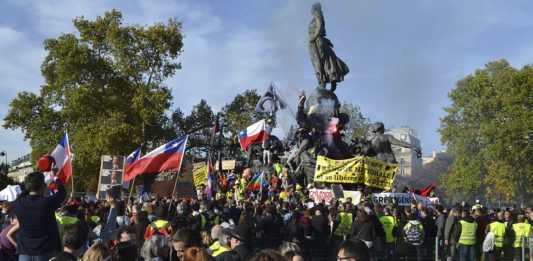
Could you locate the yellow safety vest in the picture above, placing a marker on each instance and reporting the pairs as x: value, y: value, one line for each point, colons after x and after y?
x: 346, y: 224
x: 498, y: 229
x: 388, y: 223
x: 468, y: 233
x: 521, y: 230
x: 217, y: 249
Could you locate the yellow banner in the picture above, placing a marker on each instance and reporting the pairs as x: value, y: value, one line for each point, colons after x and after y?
x: 360, y: 170
x: 200, y: 176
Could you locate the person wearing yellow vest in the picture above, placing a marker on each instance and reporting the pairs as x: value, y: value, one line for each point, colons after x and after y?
x: 522, y: 230
x: 497, y: 227
x: 220, y: 245
x: 161, y: 225
x: 390, y: 225
x: 342, y: 225
x: 65, y: 219
x: 467, y: 240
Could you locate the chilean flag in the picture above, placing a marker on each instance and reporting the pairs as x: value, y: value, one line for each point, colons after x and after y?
x: 253, y: 134
x: 167, y: 157
x: 63, y: 159
x: 134, y: 156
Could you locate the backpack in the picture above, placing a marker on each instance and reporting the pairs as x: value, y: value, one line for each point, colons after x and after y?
x: 413, y: 234
x: 164, y: 230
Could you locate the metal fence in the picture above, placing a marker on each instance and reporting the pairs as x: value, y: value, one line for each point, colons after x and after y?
x: 430, y: 249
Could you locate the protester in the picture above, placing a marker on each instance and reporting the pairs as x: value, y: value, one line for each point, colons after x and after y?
x: 353, y: 250
x: 38, y: 237
x: 97, y: 252
x: 240, y: 243
x: 467, y: 239
x: 75, y: 238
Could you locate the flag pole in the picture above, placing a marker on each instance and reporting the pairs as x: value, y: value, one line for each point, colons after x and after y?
x: 261, y: 187
x: 173, y: 191
x: 131, y: 189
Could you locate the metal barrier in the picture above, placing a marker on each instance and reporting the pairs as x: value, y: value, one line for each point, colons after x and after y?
x: 430, y: 249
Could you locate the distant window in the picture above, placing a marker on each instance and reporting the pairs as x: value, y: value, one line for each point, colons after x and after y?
x: 403, y: 137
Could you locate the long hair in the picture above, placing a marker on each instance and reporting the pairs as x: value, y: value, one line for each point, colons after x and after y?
x: 96, y: 252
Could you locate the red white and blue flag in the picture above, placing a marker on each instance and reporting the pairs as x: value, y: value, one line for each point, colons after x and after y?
x: 253, y: 134
x: 63, y: 159
x: 167, y: 157
x: 134, y: 156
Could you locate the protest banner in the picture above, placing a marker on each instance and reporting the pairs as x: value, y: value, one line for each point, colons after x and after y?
x: 400, y: 199
x: 326, y: 195
x: 357, y: 170
x: 226, y: 165
x: 200, y: 176
x: 111, y: 171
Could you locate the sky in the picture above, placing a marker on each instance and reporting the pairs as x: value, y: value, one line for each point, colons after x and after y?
x: 404, y: 56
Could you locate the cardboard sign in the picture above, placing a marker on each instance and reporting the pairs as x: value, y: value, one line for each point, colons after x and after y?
x: 198, y: 165
x: 111, y: 172
x: 226, y: 165
x: 200, y: 176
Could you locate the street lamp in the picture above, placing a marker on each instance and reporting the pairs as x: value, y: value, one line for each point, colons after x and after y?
x: 2, y: 154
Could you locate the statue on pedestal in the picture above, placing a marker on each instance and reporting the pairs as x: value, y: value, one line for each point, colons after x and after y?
x: 328, y: 67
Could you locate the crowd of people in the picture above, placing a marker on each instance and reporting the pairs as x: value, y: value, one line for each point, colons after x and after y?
x: 279, y: 227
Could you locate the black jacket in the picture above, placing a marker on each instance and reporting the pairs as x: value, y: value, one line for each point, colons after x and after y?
x: 320, y: 226
x: 363, y: 230
x: 240, y: 253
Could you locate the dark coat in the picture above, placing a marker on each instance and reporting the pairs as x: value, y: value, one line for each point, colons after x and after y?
x: 240, y: 253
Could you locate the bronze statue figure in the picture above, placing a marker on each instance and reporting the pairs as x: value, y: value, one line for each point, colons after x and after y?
x: 380, y: 144
x: 328, y: 67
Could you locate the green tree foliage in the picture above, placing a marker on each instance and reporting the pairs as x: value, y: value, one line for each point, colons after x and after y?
x: 198, y: 125
x: 105, y: 83
x: 358, y: 125
x: 240, y: 113
x: 487, y: 128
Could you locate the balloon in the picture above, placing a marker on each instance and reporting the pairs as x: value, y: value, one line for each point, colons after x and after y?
x: 45, y: 163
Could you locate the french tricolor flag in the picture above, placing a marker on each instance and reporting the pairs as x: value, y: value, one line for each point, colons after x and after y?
x: 63, y: 159
x: 253, y: 134
x: 167, y: 157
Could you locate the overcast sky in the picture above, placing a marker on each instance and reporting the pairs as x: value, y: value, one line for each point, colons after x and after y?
x: 404, y: 56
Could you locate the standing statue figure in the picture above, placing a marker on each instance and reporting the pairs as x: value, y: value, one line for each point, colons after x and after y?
x: 380, y: 144
x: 328, y: 67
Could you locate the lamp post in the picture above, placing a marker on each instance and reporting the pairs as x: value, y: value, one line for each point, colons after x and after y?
x: 2, y: 154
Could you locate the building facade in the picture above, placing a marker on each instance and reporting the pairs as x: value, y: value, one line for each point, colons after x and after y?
x: 407, y: 158
x: 20, y: 167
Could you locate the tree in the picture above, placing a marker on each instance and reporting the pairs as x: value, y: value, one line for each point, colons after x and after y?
x: 487, y: 129
x: 198, y: 125
x: 106, y: 85
x: 358, y: 125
